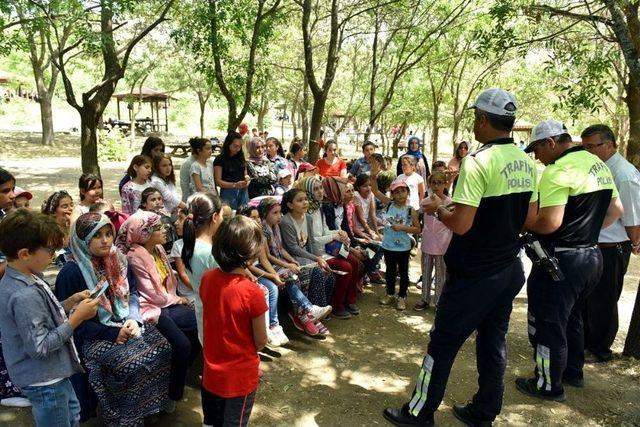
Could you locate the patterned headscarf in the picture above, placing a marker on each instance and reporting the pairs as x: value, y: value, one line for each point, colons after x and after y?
x: 252, y: 147
x: 114, y: 303
x: 333, y: 190
x: 306, y: 184
x: 137, y: 229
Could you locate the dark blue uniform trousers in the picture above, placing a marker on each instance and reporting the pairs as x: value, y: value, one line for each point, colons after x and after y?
x: 466, y: 305
x: 555, y: 317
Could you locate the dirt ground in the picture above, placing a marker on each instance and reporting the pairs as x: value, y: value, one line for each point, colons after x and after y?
x: 370, y: 361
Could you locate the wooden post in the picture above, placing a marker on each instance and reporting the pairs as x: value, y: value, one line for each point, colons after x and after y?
x: 118, y: 109
x: 166, y: 117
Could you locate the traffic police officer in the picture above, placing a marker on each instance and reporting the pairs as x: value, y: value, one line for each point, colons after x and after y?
x: 578, y: 197
x: 496, y: 191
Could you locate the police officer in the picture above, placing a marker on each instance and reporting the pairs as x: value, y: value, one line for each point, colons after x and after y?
x: 578, y: 197
x: 496, y: 191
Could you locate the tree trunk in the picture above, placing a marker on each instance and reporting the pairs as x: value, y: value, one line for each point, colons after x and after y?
x: 89, y: 140
x: 202, y: 103
x: 45, y: 97
x: 632, y: 343
x: 435, y: 131
x: 398, y: 137
x: 633, y: 104
x: 316, y: 124
x: 304, y: 112
x: 46, y: 118
x: 294, y: 123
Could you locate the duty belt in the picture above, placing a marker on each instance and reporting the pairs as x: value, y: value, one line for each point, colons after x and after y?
x: 579, y: 248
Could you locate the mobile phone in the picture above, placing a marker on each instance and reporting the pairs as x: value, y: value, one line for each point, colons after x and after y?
x: 100, y: 289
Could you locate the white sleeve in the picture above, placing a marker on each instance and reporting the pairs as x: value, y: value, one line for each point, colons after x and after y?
x: 629, y: 192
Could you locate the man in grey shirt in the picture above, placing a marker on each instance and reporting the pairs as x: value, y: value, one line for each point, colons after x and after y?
x: 616, y: 243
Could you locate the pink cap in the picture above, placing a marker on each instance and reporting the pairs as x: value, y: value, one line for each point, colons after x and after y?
x: 397, y: 184
x: 304, y: 167
x: 21, y: 192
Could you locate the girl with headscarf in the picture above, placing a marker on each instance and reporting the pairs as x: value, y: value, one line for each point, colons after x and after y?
x: 414, y: 148
x: 333, y: 242
x: 461, y: 152
x: 261, y: 170
x: 339, y: 212
x: 115, y: 347
x: 298, y: 281
x: 141, y: 238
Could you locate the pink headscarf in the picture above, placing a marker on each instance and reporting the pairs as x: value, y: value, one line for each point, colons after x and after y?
x: 252, y: 146
x: 137, y: 229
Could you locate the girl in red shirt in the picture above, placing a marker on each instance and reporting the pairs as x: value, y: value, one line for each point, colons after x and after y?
x: 234, y: 327
x: 331, y: 164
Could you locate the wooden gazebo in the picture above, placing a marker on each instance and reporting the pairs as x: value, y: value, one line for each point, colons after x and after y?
x: 154, y: 98
x: 524, y: 127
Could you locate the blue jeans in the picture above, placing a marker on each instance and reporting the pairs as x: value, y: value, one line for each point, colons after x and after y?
x: 300, y: 302
x: 54, y: 405
x: 236, y: 197
x: 273, y: 300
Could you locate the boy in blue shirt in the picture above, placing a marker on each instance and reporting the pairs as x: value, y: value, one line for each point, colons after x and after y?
x: 36, y: 333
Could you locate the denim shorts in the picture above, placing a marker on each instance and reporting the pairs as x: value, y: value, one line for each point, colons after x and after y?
x: 54, y: 405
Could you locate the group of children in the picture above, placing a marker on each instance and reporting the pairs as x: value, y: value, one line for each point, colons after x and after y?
x: 162, y: 278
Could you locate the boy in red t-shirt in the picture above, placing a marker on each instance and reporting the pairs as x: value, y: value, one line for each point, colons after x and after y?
x: 234, y: 327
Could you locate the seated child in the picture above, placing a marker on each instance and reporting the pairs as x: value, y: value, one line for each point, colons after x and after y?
x: 284, y: 182
x: 22, y: 198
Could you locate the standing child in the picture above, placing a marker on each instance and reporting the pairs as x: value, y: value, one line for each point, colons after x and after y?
x: 164, y: 179
x: 202, y: 222
x: 414, y: 181
x: 151, y: 200
x: 202, y: 169
x: 36, y: 333
x: 234, y: 312
x: 401, y: 220
x: 435, y: 241
x: 140, y: 171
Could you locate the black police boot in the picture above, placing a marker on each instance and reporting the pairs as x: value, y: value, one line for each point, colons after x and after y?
x: 573, y: 381
x: 528, y: 386
x: 402, y: 418
x: 465, y: 414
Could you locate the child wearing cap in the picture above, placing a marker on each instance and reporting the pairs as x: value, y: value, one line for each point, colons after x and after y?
x: 22, y: 198
x: 284, y: 182
x: 400, y: 221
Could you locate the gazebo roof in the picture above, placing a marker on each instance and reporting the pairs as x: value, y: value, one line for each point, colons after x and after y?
x: 147, y: 94
x: 522, y: 126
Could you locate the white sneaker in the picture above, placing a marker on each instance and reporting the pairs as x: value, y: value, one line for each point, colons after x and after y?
x: 320, y: 313
x: 16, y: 402
x: 273, y: 340
x: 282, y: 338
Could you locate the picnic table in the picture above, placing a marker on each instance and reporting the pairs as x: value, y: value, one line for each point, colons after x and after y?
x: 179, y: 150
x: 183, y: 150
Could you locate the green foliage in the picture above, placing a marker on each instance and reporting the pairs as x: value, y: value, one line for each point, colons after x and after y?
x: 112, y: 146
